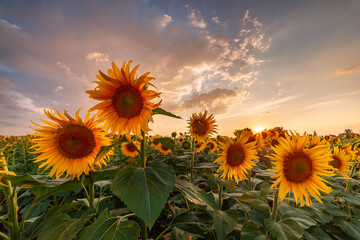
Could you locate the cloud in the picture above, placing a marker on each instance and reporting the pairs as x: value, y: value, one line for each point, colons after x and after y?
x: 5, y: 23
x: 351, y: 70
x: 166, y: 19
x: 217, y: 21
x: 252, y: 110
x: 5, y: 84
x: 58, y: 89
x: 97, y: 56
x: 195, y: 19
x: 325, y: 104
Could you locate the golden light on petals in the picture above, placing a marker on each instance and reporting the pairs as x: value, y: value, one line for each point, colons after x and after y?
x: 341, y: 162
x: 298, y: 168
x: 129, y: 148
x: 202, y: 126
x: 68, y: 145
x: 164, y: 150
x: 237, y: 157
x: 125, y: 105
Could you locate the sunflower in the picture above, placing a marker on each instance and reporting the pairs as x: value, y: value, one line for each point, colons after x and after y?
x: 316, y: 141
x: 341, y: 162
x: 237, y: 157
x: 69, y: 145
x: 186, y: 145
x: 352, y: 136
x: 212, y: 146
x: 154, y: 144
x: 199, y: 147
x: 328, y: 138
x: 181, y: 139
x: 129, y: 148
x: 336, y: 140
x: 298, y: 168
x: 164, y: 150
x: 265, y: 135
x: 256, y: 138
x: 125, y: 105
x: 202, y: 126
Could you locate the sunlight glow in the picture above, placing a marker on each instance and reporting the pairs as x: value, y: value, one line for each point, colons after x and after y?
x: 258, y: 129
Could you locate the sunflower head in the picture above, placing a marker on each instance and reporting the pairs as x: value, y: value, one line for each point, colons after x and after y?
x: 341, y: 162
x: 202, y: 126
x: 316, y: 141
x: 211, y: 145
x: 328, y: 138
x: 130, y: 148
x: 352, y: 136
x: 237, y: 157
x: 336, y: 140
x: 181, y: 139
x: 125, y: 105
x: 164, y: 150
x: 199, y: 147
x: 186, y: 145
x: 69, y: 144
x: 298, y: 168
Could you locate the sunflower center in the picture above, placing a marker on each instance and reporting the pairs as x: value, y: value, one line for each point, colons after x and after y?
x: 336, y: 163
x: 298, y: 167
x: 199, y: 127
x: 235, y: 155
x: 127, y: 101
x: 74, y: 141
x: 130, y: 147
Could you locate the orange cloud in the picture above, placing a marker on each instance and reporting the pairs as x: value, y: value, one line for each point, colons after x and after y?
x: 351, y: 70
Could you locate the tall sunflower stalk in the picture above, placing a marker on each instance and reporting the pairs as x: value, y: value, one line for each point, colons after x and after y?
x: 11, y: 200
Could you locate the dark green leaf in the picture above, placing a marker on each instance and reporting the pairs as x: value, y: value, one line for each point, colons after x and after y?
x: 145, y: 190
x: 195, y: 223
x: 253, y: 199
x: 318, y: 233
x: 166, y: 142
x: 286, y: 229
x: 250, y: 230
x: 351, y: 228
x: 224, y: 222
x: 195, y: 194
x: 110, y: 228
x: 24, y: 179
x: 164, y: 112
x: 62, y: 227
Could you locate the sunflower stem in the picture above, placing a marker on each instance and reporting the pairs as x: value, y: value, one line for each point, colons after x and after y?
x: 348, y: 185
x: 192, y: 162
x: 275, y: 205
x: 144, y: 232
x: 91, y: 194
x: 142, y: 150
x: 220, y: 199
x: 11, y: 200
x: 249, y: 181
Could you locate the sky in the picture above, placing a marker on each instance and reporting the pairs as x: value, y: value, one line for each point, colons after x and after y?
x: 294, y: 64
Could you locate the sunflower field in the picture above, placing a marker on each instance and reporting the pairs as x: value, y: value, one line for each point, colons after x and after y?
x: 106, y: 177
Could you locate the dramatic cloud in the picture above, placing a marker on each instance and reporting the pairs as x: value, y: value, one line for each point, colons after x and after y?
x: 195, y: 19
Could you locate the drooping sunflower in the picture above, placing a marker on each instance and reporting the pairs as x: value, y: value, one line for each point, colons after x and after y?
x: 237, y: 157
x: 129, y: 148
x: 341, y: 162
x: 154, y: 144
x: 202, y: 126
x: 299, y: 168
x: 69, y: 144
x: 125, y: 105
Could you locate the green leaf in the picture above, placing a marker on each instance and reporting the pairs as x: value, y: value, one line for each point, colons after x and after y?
x: 250, y: 230
x: 334, y: 210
x: 32, y: 230
x: 286, y: 229
x: 298, y: 215
x: 110, y: 228
x: 195, y: 194
x: 351, y: 198
x: 61, y: 185
x: 265, y: 188
x: 351, y: 228
x: 145, y: 190
x: 197, y: 224
x: 318, y: 233
x: 253, y: 199
x: 106, y: 149
x: 62, y: 227
x: 24, y: 179
x: 179, y: 234
x: 164, y: 112
x: 224, y: 222
x: 166, y: 142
